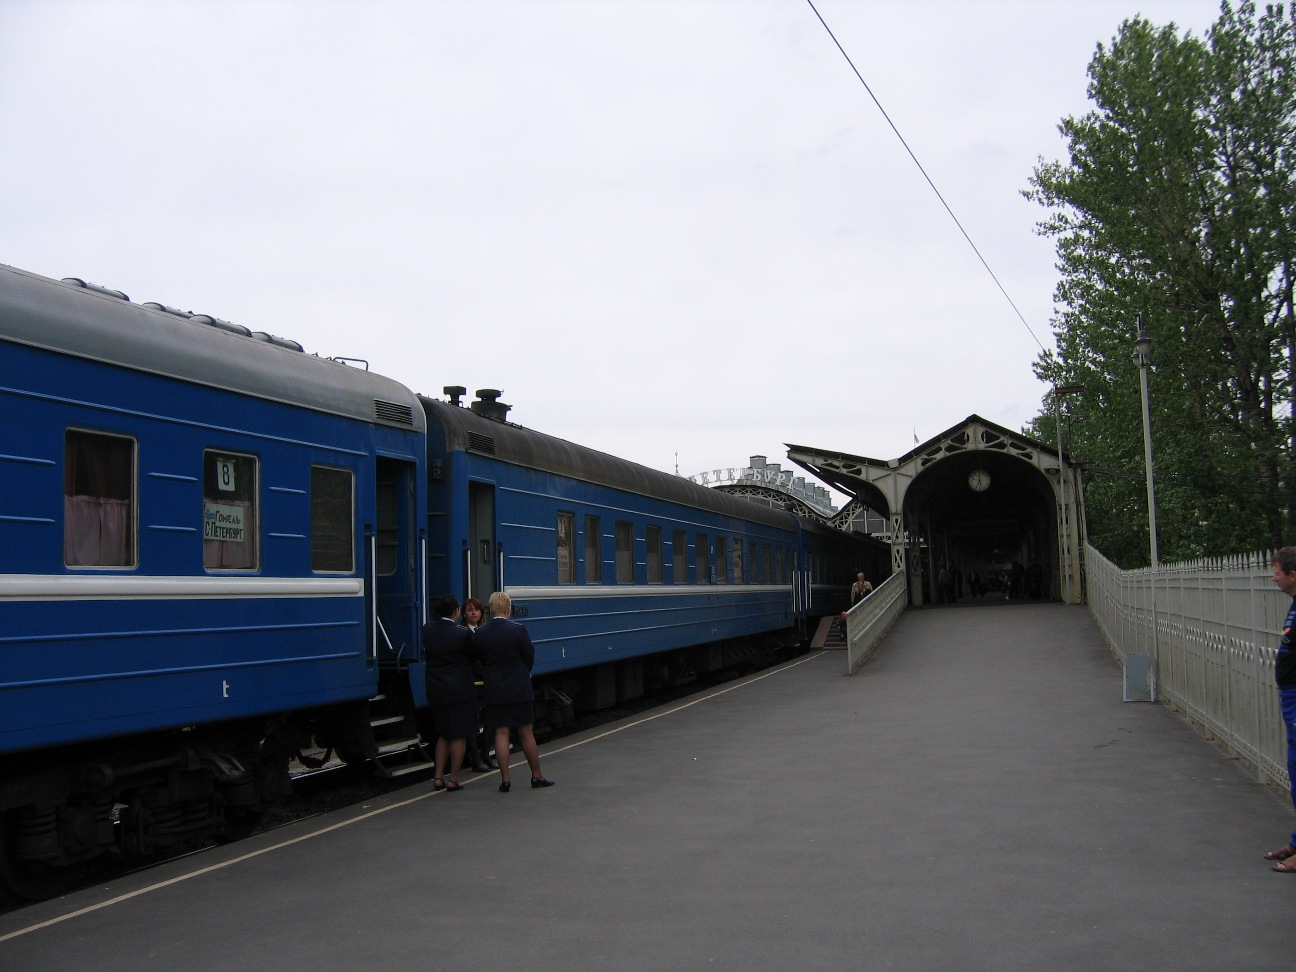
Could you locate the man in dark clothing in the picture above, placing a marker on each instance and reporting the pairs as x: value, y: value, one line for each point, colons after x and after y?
x: 1284, y: 575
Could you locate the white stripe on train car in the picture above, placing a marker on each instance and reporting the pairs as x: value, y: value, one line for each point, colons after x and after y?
x: 577, y: 591
x: 78, y: 587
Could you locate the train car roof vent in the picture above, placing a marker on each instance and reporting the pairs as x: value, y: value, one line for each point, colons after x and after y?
x: 97, y: 288
x: 454, y: 393
x: 278, y: 342
x: 223, y: 325
x: 393, y: 412
x: 481, y: 443
x: 489, y: 406
x: 154, y: 305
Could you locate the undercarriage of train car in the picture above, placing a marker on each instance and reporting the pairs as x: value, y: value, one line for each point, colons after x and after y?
x: 135, y: 798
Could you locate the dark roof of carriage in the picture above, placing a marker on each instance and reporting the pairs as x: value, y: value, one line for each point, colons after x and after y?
x: 91, y: 323
x: 467, y: 431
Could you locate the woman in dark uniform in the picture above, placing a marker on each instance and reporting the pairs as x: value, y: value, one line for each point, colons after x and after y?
x: 507, y: 655
x: 478, y: 753
x: 449, y: 653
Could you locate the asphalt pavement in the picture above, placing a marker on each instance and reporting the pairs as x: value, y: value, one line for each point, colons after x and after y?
x: 976, y: 797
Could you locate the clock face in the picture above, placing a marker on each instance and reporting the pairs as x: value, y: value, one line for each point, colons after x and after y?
x: 979, y: 480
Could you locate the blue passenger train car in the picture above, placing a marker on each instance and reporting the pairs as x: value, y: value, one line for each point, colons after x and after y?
x: 211, y: 551
x: 216, y: 549
x: 624, y: 575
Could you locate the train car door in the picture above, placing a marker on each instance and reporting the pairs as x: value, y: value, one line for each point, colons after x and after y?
x: 395, y: 559
x: 479, y: 573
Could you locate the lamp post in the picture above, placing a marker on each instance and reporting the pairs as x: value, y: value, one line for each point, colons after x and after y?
x: 1068, y: 548
x: 1142, y: 355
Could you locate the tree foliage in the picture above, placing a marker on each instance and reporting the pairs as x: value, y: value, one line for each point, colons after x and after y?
x: 1178, y: 201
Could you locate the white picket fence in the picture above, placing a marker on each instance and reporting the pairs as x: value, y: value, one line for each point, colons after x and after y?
x: 1211, y: 630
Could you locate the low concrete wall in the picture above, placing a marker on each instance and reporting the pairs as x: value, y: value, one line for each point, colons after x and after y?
x: 869, y: 620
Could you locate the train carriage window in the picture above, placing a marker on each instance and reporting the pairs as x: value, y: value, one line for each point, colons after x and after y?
x: 98, y: 500
x: 229, y: 511
x: 624, y: 552
x: 738, y: 577
x: 703, y: 560
x: 765, y: 564
x: 566, y: 538
x: 332, y: 503
x: 593, y: 551
x: 653, y: 540
x: 778, y: 566
x: 721, y: 561
x: 679, y: 557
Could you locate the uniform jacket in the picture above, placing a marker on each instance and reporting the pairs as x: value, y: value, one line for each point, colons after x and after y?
x: 506, y: 655
x: 450, y: 655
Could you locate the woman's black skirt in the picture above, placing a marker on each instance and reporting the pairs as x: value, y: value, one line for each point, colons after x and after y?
x: 455, y: 720
x: 510, y: 714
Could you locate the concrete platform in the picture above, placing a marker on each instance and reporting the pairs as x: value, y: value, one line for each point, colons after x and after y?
x: 977, y: 797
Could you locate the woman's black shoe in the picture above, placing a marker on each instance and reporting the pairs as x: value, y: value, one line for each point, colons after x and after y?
x: 536, y: 784
x: 504, y: 787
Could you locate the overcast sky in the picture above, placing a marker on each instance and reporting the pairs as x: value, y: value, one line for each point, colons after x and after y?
x: 661, y: 227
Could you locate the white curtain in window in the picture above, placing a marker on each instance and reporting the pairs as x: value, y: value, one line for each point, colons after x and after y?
x: 96, y: 532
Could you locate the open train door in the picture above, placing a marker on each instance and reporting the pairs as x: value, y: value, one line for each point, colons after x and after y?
x: 394, y: 564
x: 479, y: 568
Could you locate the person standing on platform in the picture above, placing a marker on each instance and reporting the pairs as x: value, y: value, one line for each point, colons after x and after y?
x: 451, y: 688
x: 478, y: 749
x: 474, y: 614
x: 507, y: 657
x: 860, y: 589
x: 1284, y: 575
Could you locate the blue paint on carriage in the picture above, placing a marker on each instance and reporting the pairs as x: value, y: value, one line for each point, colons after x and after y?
x: 577, y: 630
x: 161, y: 662
x: 77, y: 665
x: 525, y: 480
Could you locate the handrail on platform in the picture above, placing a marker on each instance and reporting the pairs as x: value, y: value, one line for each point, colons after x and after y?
x: 868, y: 621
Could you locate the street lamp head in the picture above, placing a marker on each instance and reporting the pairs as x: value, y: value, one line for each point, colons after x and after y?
x: 1143, y: 346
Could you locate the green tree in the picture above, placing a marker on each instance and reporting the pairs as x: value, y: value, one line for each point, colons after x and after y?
x: 1178, y: 200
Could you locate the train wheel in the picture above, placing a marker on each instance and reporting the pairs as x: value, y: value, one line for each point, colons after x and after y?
x: 239, y: 824
x: 28, y: 880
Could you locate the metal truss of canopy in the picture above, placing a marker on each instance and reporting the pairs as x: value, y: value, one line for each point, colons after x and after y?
x: 770, y: 484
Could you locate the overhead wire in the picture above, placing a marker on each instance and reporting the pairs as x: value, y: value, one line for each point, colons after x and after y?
x: 1021, y: 317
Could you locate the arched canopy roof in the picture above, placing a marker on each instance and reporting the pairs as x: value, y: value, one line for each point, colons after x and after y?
x: 973, y: 441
